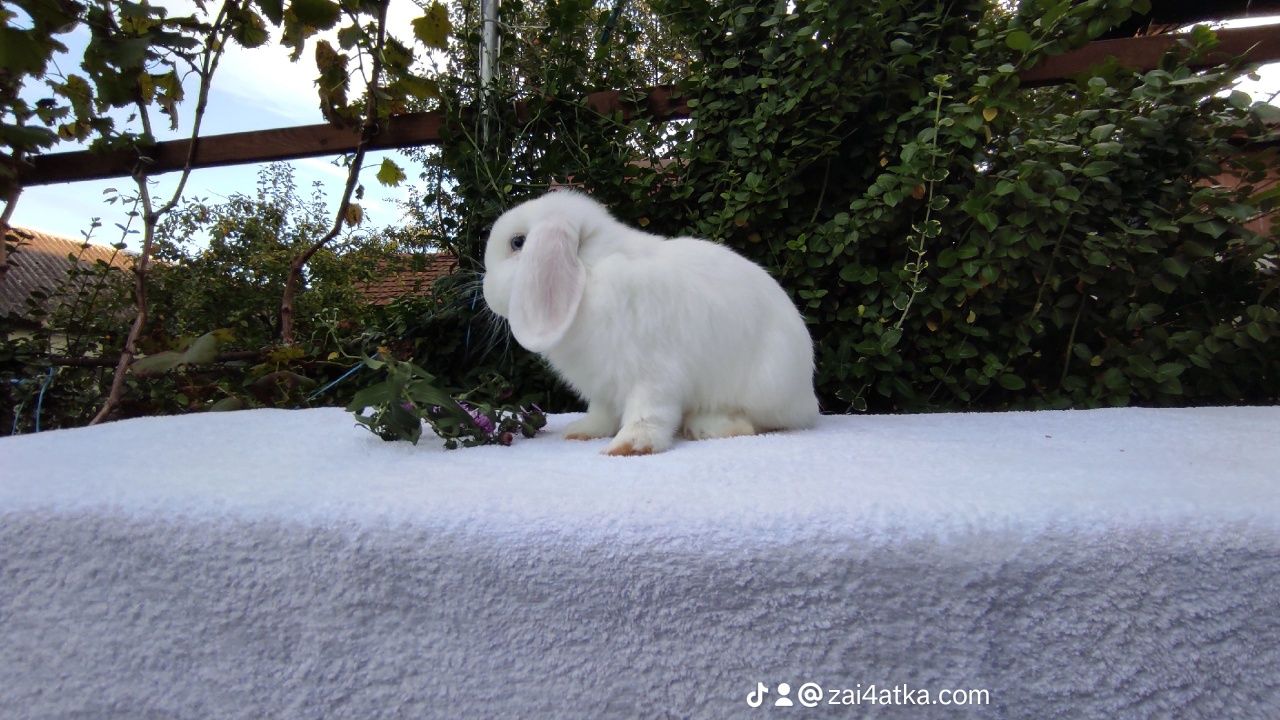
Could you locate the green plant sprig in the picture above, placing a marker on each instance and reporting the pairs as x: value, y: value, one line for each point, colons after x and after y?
x: 408, y: 396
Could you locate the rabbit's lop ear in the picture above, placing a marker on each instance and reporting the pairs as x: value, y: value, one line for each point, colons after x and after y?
x: 548, y: 286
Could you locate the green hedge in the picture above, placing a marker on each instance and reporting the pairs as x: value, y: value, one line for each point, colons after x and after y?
x: 954, y: 240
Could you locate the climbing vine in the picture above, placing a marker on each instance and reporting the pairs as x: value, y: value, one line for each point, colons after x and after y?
x: 955, y: 240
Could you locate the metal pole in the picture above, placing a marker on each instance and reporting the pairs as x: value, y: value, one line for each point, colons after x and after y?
x: 488, y: 57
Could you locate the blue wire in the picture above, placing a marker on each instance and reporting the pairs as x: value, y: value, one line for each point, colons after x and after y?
x: 345, y: 375
x: 40, y: 400
x: 17, y: 412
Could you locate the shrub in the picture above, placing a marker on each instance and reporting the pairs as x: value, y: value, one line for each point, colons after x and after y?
x: 954, y: 240
x: 957, y: 241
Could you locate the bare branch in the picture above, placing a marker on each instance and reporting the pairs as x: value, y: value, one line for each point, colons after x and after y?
x: 208, y: 64
x: 368, y: 130
x: 233, y: 356
x: 214, y: 46
x: 140, y: 295
x: 10, y: 202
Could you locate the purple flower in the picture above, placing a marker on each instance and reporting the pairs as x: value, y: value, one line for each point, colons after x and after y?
x: 481, y: 420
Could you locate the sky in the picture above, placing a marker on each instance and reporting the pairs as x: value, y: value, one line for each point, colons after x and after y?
x: 260, y: 89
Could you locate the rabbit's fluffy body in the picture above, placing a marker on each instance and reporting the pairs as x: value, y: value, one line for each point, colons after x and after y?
x: 658, y: 335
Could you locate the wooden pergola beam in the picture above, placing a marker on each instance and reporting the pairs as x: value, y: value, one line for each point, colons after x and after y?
x: 304, y: 141
x: 233, y: 149
x: 1256, y: 44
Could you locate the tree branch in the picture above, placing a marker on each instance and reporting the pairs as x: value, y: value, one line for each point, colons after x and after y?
x: 10, y: 202
x: 370, y: 128
x: 213, y: 48
x: 92, y: 362
x: 210, y: 58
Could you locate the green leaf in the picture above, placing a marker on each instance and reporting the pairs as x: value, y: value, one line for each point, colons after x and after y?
x: 1239, y: 99
x: 349, y: 36
x: 890, y: 339
x: 390, y: 173
x: 1269, y: 114
x: 372, y: 396
x: 1102, y: 132
x: 273, y: 9
x: 1099, y: 167
x: 900, y: 46
x: 1212, y: 228
x: 1195, y: 249
x: 55, y: 17
x: 1114, y: 379
x: 26, y: 137
x: 433, y: 28
x: 321, y: 14
x: 1019, y: 40
x: 129, y: 54
x: 1176, y: 266
x: 396, y: 56
x: 418, y: 87
x: 249, y: 30
x: 21, y: 52
x: 1069, y: 193
x: 202, y: 350
x: 156, y: 363
x: 226, y: 404
x: 1009, y: 381
x: 425, y: 393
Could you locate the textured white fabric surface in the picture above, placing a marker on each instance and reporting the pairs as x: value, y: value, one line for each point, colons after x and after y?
x: 1100, y: 564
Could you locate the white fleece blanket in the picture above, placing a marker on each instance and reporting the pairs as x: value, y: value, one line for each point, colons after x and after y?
x: 271, y: 564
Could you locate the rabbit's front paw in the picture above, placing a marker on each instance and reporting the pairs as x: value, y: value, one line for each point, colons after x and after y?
x: 639, y: 439
x: 590, y: 427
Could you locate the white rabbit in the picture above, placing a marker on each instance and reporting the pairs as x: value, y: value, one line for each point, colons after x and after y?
x: 657, y: 335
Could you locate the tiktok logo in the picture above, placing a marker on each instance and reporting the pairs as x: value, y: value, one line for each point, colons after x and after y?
x: 756, y: 699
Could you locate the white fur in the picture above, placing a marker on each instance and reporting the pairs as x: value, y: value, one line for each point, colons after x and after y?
x: 658, y: 335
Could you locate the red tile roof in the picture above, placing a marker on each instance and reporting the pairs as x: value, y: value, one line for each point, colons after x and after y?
x: 409, y: 277
x: 42, y: 262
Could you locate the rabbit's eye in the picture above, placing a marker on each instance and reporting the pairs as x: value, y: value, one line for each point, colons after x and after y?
x: 517, y: 242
